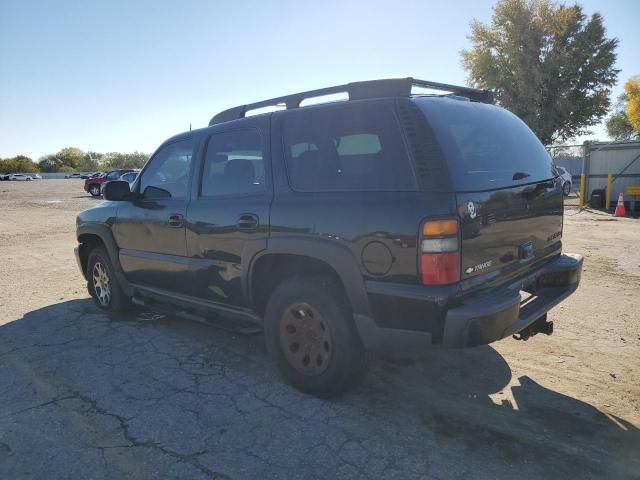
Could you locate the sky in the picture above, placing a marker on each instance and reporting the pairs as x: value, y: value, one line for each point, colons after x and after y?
x: 118, y: 75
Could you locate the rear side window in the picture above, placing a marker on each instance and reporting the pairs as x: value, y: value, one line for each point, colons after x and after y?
x: 486, y: 147
x: 352, y: 147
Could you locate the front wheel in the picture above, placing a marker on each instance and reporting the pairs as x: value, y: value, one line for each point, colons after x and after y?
x: 566, y: 189
x: 310, y: 333
x: 102, y: 284
x: 94, y: 190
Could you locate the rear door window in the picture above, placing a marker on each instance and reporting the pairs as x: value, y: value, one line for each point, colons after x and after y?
x: 351, y: 147
x: 486, y: 147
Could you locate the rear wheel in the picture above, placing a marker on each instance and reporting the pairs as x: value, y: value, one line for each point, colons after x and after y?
x: 102, y: 284
x: 310, y: 333
x: 94, y: 190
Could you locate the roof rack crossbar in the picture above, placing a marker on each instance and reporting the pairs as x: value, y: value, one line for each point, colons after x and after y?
x: 389, y: 87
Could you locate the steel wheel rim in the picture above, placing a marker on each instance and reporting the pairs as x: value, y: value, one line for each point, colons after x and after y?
x: 305, y: 339
x: 101, y: 284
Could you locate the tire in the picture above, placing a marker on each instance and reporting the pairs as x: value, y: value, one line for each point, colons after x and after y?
x: 102, y: 283
x: 566, y: 189
x: 95, y: 190
x: 310, y: 333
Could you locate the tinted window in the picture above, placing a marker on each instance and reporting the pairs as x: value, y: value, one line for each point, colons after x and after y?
x: 233, y: 164
x: 169, y: 169
x: 348, y: 147
x: 129, y: 177
x: 113, y: 175
x: 486, y: 147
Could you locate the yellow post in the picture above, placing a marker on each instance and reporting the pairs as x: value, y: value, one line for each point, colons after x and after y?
x: 608, y: 195
x: 582, y: 191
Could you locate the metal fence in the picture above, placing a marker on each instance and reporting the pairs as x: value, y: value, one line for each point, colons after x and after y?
x: 600, y: 163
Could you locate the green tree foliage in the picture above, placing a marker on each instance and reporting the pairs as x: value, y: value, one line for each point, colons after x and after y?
x: 49, y: 163
x: 547, y: 63
x: 72, y: 159
x: 618, y: 126
x: 18, y: 164
x: 632, y: 89
x: 114, y: 160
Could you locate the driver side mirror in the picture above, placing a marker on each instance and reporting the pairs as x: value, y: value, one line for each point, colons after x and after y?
x: 117, y: 190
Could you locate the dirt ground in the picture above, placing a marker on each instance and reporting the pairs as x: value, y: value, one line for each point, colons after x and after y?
x: 86, y: 396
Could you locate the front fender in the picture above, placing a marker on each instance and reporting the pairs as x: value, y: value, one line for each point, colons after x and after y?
x: 104, y: 233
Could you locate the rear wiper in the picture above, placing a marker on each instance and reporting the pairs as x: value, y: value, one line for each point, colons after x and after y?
x: 520, y: 175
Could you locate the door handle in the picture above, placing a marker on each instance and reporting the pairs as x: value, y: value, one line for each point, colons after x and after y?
x: 248, y: 221
x: 176, y: 220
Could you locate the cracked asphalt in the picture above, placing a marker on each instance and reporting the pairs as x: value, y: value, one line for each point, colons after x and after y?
x: 84, y: 395
x: 88, y: 396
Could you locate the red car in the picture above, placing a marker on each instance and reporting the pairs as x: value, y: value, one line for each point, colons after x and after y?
x: 92, y: 185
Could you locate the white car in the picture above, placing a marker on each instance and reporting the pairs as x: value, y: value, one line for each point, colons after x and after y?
x: 566, y: 180
x: 20, y: 177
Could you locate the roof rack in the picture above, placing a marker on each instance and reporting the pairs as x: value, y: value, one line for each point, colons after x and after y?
x: 388, y: 87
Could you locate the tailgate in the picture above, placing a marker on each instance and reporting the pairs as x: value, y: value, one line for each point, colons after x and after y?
x: 507, y: 230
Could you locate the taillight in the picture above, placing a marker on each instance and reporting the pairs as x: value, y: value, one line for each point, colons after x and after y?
x: 440, y: 252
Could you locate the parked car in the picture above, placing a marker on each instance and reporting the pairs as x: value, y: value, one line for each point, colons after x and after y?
x: 73, y: 175
x: 566, y: 180
x: 4, y: 176
x: 128, y: 177
x: 21, y: 177
x: 342, y: 227
x: 92, y: 185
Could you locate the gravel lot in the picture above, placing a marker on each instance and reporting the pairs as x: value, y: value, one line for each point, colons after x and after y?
x: 86, y: 396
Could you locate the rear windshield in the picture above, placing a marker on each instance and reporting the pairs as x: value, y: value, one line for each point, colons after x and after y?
x: 352, y: 147
x: 486, y: 147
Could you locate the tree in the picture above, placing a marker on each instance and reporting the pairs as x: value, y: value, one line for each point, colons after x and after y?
x: 49, y: 163
x: 546, y: 63
x: 90, y: 162
x: 632, y: 89
x: 70, y: 157
x: 618, y: 126
x: 113, y: 160
x: 18, y: 164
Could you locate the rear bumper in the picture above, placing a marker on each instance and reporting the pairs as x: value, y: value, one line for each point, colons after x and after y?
x: 487, y: 316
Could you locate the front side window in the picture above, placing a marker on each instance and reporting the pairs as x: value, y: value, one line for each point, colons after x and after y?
x: 169, y: 170
x: 234, y: 164
x: 355, y: 147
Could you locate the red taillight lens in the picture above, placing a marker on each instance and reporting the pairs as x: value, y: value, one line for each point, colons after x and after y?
x: 440, y: 252
x: 440, y: 268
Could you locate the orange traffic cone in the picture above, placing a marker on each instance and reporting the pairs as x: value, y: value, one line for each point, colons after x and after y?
x: 620, y: 207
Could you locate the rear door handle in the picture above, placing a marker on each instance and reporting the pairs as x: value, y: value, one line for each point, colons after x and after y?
x: 248, y: 221
x: 176, y: 220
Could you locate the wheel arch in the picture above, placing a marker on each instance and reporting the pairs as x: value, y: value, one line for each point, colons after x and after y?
x: 91, y: 236
x: 289, y: 256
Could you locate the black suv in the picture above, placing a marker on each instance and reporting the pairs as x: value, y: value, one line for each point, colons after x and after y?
x: 389, y: 219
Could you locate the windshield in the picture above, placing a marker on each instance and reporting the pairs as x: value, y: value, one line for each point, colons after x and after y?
x: 486, y: 147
